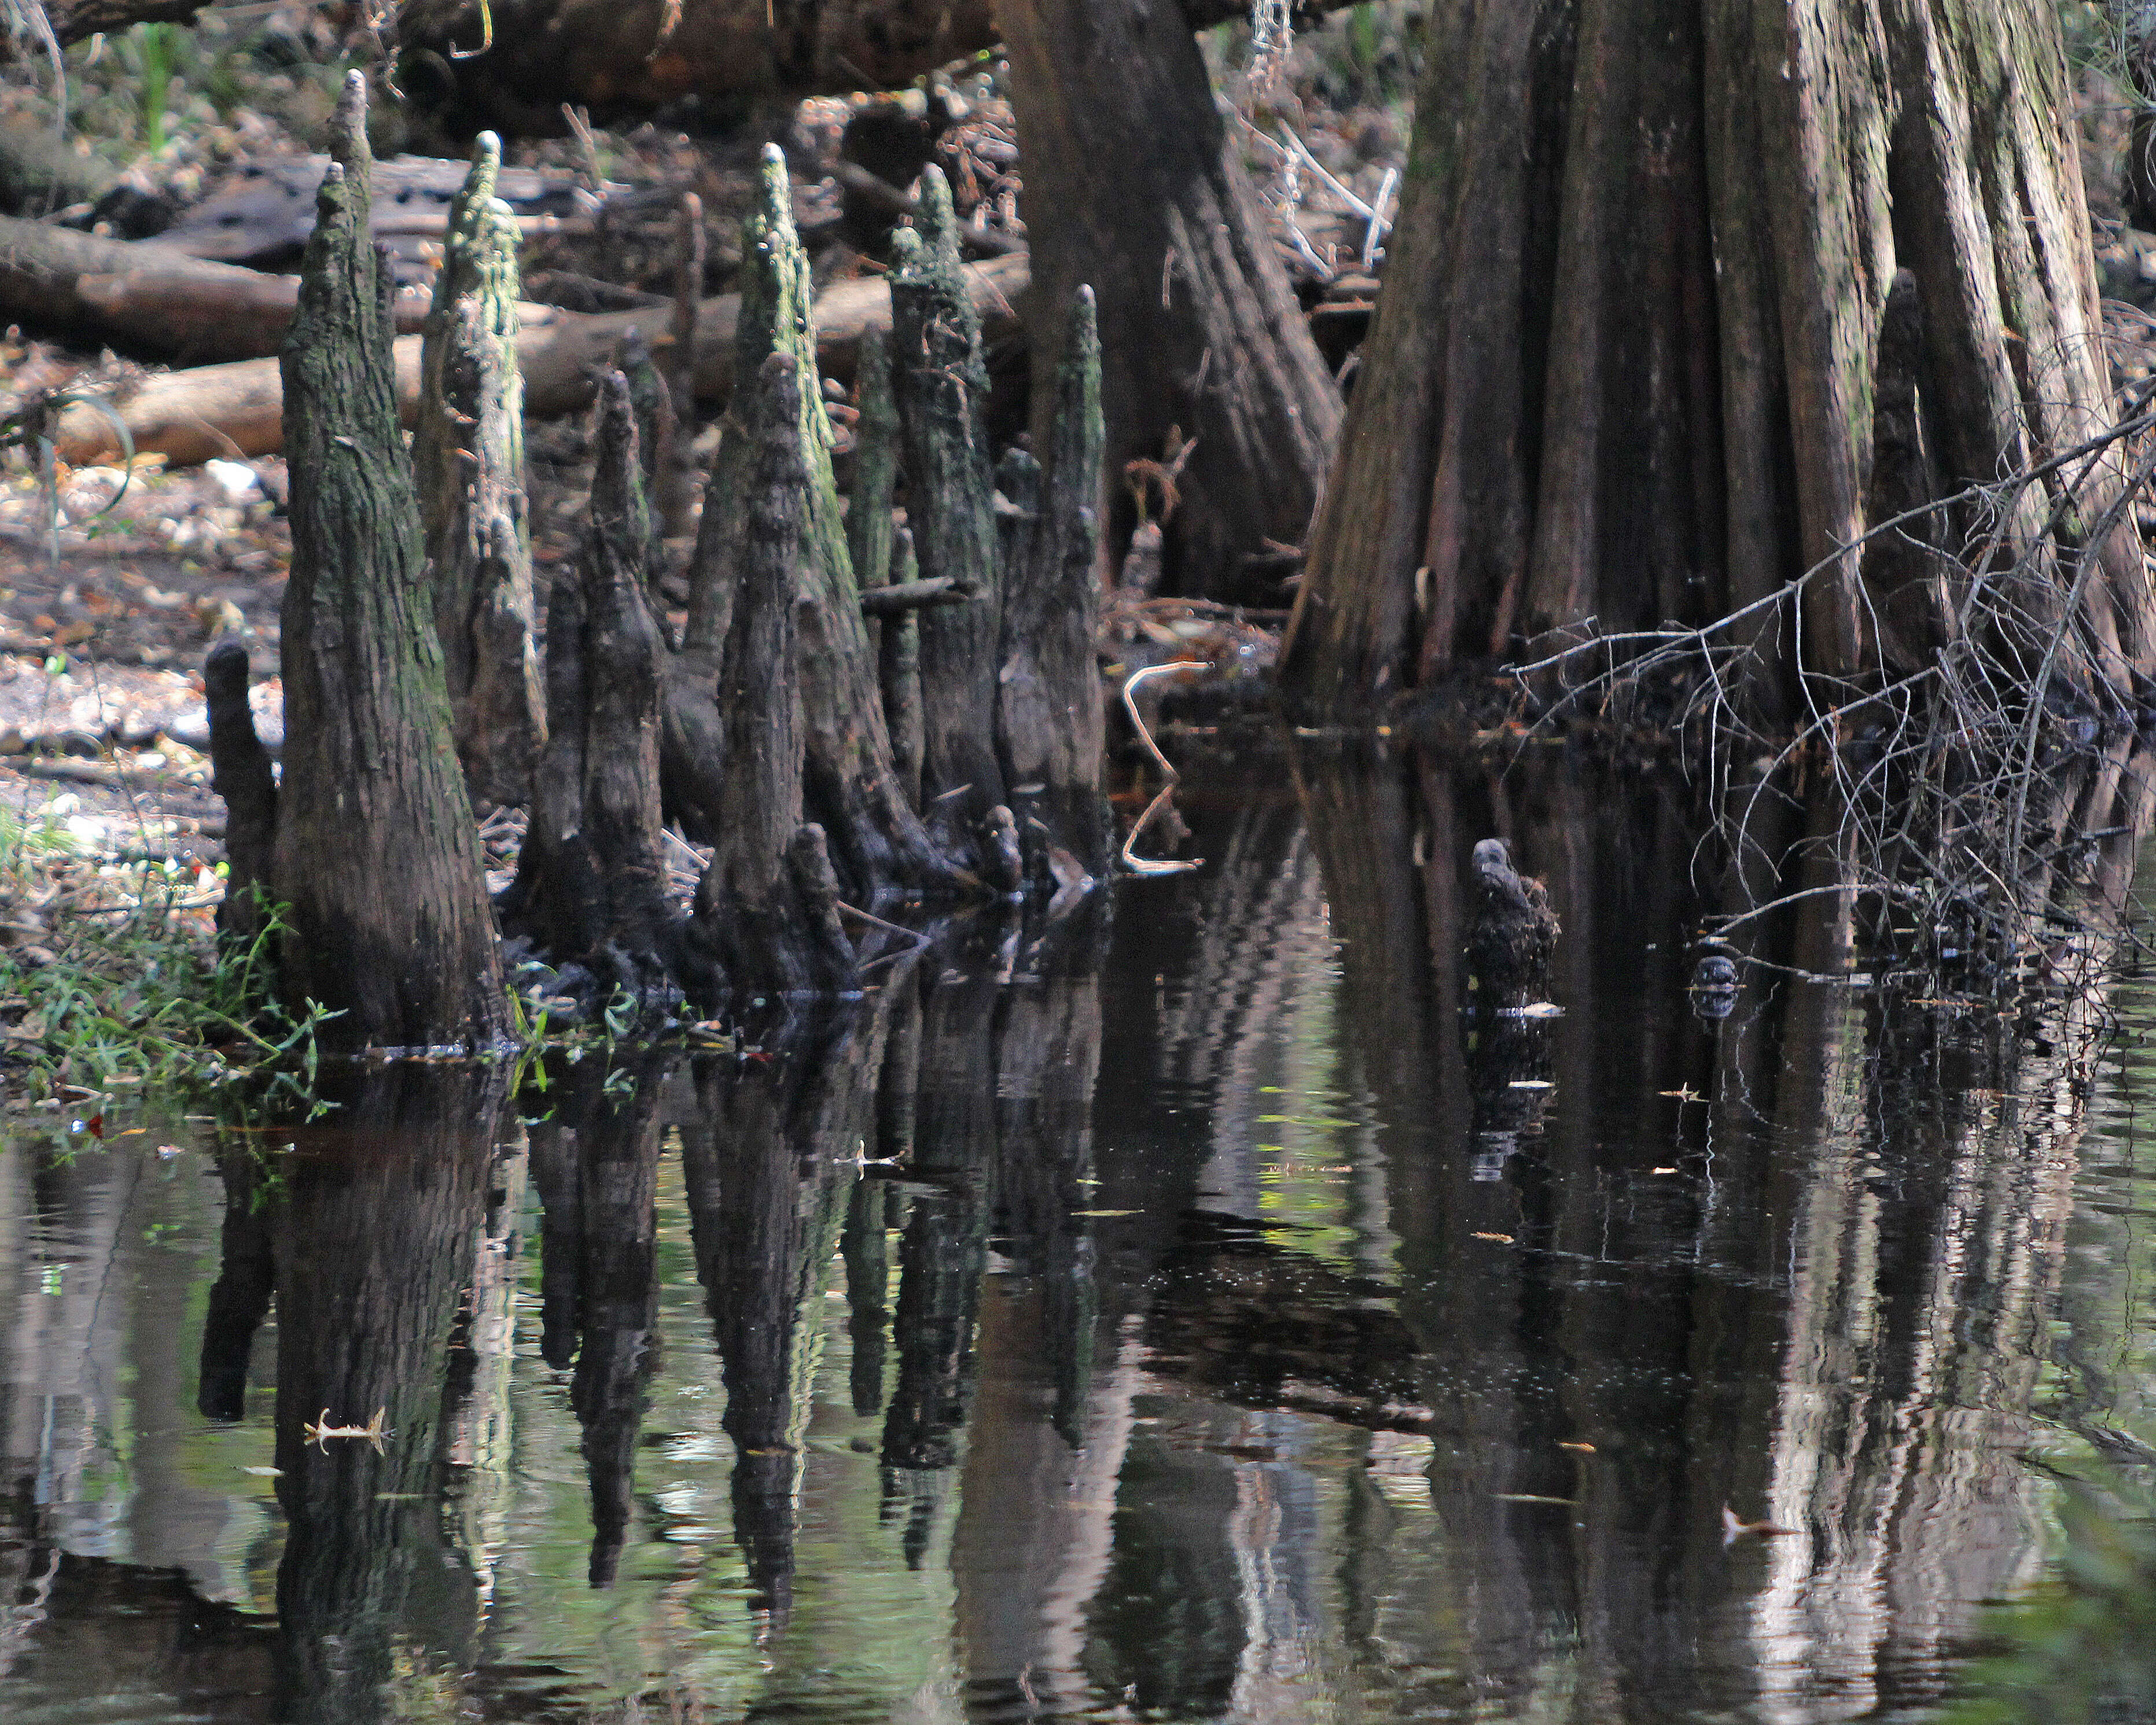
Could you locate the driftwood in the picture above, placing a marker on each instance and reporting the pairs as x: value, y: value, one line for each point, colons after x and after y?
x: 236, y: 410
x: 469, y: 454
x: 267, y: 210
x: 377, y: 861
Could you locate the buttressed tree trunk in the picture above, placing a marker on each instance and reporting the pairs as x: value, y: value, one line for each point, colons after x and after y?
x: 1640, y: 356
x: 1134, y: 186
x: 376, y: 855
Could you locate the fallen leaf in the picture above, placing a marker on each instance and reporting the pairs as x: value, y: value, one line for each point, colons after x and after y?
x: 1734, y: 1530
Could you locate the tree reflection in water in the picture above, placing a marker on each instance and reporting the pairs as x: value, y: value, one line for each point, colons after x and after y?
x: 1224, y: 1322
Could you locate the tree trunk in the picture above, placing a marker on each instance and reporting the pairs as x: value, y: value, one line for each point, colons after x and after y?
x: 633, y: 55
x: 1048, y: 722
x: 850, y: 786
x: 376, y: 859
x: 1632, y: 364
x: 1134, y: 186
x: 767, y: 905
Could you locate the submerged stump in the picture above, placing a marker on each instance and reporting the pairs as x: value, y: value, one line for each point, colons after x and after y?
x: 1512, y: 932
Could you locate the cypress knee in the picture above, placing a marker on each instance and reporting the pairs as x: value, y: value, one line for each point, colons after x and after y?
x: 591, y: 881
x: 1050, y: 728
x: 760, y: 907
x: 877, y: 842
x: 942, y: 383
x: 240, y: 773
x: 376, y: 859
x: 467, y: 451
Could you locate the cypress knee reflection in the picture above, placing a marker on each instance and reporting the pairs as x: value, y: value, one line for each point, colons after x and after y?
x: 596, y: 1162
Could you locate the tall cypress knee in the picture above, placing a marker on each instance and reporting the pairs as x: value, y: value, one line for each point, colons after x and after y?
x: 467, y: 451
x: 765, y: 909
x: 942, y: 385
x: 376, y: 857
x: 592, y: 882
x: 877, y: 841
x: 1050, y: 728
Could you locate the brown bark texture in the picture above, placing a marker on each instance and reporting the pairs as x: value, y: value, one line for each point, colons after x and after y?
x: 376, y: 859
x: 1135, y: 187
x: 1635, y: 364
x: 942, y: 386
x: 850, y: 788
x: 1049, y: 717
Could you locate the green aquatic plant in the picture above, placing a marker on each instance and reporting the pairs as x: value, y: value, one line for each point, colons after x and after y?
x: 2080, y: 1650
x: 115, y: 984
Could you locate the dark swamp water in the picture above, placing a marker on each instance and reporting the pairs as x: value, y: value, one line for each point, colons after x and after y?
x: 1233, y: 1340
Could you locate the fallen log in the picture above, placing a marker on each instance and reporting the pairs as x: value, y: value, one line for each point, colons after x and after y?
x: 236, y: 410
x: 147, y: 295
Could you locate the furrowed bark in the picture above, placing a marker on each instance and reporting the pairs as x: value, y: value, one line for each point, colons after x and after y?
x: 591, y: 882
x: 942, y: 384
x: 752, y: 908
x: 869, y: 523
x: 878, y: 843
x: 376, y: 855
x: 1639, y: 359
x: 898, y: 669
x: 241, y: 774
x: 1049, y: 727
x: 467, y: 451
x: 1137, y: 188
x: 653, y: 401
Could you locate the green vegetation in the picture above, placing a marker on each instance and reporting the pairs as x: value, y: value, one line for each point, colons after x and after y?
x: 222, y: 89
x: 113, y: 983
x: 2082, y: 1647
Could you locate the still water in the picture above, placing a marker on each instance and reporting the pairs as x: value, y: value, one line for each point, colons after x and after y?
x: 1184, y: 1319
